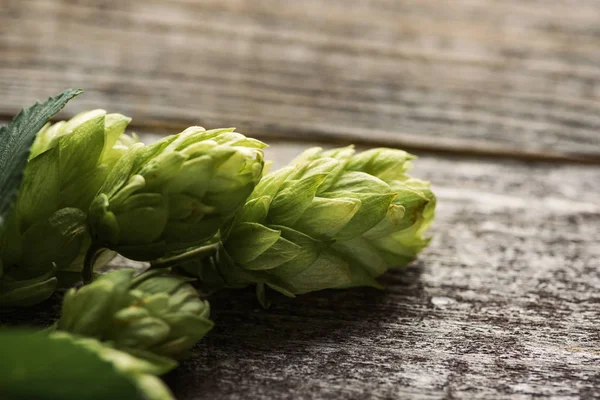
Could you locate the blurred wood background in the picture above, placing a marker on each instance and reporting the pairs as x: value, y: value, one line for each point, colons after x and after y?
x: 498, y: 98
x: 514, y: 76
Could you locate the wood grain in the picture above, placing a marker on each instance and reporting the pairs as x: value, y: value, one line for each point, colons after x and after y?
x: 497, y: 77
x: 503, y: 304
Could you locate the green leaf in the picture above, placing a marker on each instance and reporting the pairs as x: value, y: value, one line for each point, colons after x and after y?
x: 38, y: 366
x: 16, y: 139
x: 138, y: 367
x: 145, y: 361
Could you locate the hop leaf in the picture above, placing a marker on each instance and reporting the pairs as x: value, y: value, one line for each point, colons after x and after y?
x: 331, y: 219
x: 139, y: 371
x: 154, y: 312
x: 175, y: 193
x: 36, y: 365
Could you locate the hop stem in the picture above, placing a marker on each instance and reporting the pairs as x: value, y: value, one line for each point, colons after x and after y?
x: 193, y: 254
x: 87, y: 274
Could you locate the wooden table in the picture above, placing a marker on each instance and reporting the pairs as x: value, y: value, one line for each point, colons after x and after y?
x: 501, y: 101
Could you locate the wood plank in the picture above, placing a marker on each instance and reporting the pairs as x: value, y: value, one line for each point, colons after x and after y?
x: 504, y: 303
x: 477, y: 75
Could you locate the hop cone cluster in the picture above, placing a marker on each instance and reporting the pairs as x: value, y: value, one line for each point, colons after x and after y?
x: 175, y: 193
x: 198, y: 200
x: 154, y: 312
x: 331, y: 219
x: 46, y: 235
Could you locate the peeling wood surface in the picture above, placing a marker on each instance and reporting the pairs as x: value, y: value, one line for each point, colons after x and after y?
x: 500, y: 77
x: 504, y: 303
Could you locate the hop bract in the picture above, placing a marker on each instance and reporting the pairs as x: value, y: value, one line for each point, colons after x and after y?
x: 47, y: 234
x: 155, y: 312
x: 329, y: 220
x: 175, y: 193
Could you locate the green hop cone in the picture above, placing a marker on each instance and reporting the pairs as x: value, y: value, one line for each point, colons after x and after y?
x: 329, y: 220
x: 46, y: 235
x: 399, y: 237
x: 153, y: 313
x: 175, y: 193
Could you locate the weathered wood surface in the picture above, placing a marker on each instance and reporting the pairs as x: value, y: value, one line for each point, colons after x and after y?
x: 516, y: 76
x: 504, y: 303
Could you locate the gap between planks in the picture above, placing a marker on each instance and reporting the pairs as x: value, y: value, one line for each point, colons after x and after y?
x: 441, y: 146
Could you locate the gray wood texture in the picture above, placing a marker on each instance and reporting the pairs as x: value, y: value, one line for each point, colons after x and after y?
x: 487, y: 76
x: 505, y: 303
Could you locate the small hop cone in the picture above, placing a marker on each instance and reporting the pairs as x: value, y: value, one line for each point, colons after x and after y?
x: 175, y: 193
x: 331, y: 219
x: 46, y: 235
x: 154, y: 313
x: 399, y: 236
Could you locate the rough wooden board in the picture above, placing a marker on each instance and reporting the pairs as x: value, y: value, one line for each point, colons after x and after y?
x: 477, y: 75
